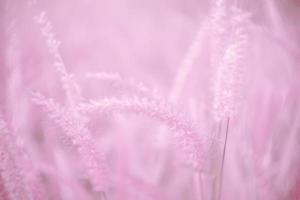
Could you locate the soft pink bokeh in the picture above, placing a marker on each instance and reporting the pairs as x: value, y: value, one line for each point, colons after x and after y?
x: 136, y: 99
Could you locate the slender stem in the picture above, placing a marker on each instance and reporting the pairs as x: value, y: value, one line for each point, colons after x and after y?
x: 223, y: 160
x: 201, y: 187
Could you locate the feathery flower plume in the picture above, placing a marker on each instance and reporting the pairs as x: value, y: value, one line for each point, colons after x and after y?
x: 73, y: 124
x: 184, y: 134
x: 69, y: 119
x: 13, y: 166
x: 229, y: 70
x: 69, y: 85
